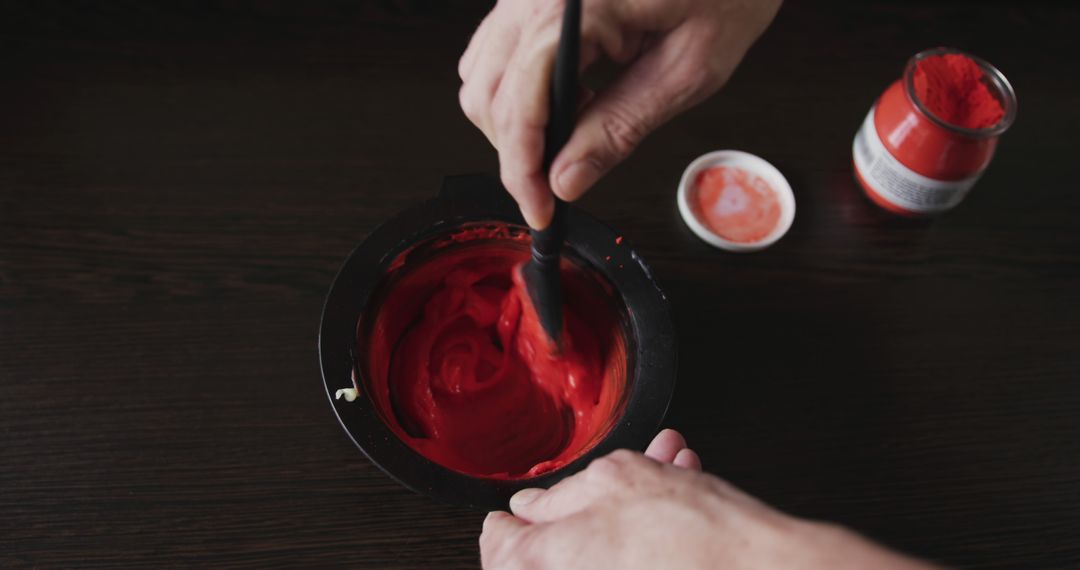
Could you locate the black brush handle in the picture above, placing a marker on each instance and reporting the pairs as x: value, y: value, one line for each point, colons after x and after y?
x: 547, y: 243
x: 564, y: 84
x: 561, y: 115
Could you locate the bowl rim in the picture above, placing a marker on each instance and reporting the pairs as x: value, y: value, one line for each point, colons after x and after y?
x: 480, y: 198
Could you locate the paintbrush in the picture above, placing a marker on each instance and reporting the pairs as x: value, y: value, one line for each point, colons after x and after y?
x: 541, y: 272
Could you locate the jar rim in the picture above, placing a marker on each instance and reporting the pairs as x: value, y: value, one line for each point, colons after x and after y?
x: 997, y: 82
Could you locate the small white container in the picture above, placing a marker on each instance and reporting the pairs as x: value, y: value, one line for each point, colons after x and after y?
x: 753, y: 165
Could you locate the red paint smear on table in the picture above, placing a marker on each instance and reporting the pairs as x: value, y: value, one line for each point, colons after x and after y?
x: 951, y: 87
x: 735, y: 204
x: 463, y: 372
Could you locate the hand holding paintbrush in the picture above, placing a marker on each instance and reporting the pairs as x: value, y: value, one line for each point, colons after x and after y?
x: 674, y: 55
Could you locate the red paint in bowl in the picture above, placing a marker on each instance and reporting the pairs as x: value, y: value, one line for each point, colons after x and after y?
x: 460, y: 369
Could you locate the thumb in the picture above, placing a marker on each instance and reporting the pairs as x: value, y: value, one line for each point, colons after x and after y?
x: 663, y: 82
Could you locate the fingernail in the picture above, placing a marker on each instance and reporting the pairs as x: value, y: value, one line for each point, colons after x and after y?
x: 575, y: 179
x: 534, y: 222
x: 524, y: 497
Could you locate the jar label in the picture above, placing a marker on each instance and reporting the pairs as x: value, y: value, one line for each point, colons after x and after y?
x: 897, y: 184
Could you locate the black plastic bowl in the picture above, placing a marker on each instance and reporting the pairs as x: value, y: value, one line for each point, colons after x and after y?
x: 473, y: 199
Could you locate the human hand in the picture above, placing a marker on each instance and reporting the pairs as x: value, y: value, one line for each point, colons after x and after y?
x: 658, y: 510
x: 677, y: 53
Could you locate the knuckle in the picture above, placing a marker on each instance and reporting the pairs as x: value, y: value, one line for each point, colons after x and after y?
x: 510, y: 179
x: 594, y: 30
x: 461, y: 66
x: 624, y: 456
x: 612, y: 468
x: 468, y: 103
x: 603, y: 468
x: 515, y: 182
x: 726, y: 489
x: 711, y: 76
x: 508, y: 553
x: 502, y: 116
x: 723, y: 485
x: 547, y: 10
x: 692, y: 79
x: 599, y: 28
x: 702, y: 69
x: 621, y: 135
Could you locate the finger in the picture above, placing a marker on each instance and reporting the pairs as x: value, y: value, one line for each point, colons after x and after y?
x: 566, y: 498
x: 486, y: 74
x: 661, y: 83
x: 688, y: 459
x: 524, y: 179
x: 519, y: 113
x: 476, y: 43
x: 502, y: 532
x: 603, y: 31
x: 666, y: 446
x: 598, y: 482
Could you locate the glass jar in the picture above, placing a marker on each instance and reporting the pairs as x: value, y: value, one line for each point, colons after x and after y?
x: 912, y: 162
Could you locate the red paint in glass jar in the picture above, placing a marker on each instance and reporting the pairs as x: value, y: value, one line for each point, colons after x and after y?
x: 932, y: 133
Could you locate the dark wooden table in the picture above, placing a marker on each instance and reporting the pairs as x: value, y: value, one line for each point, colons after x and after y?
x: 178, y: 186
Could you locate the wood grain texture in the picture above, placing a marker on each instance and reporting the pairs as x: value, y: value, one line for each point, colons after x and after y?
x: 179, y: 184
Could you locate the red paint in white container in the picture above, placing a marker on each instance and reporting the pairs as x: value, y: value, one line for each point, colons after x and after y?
x: 932, y: 133
x: 736, y: 201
